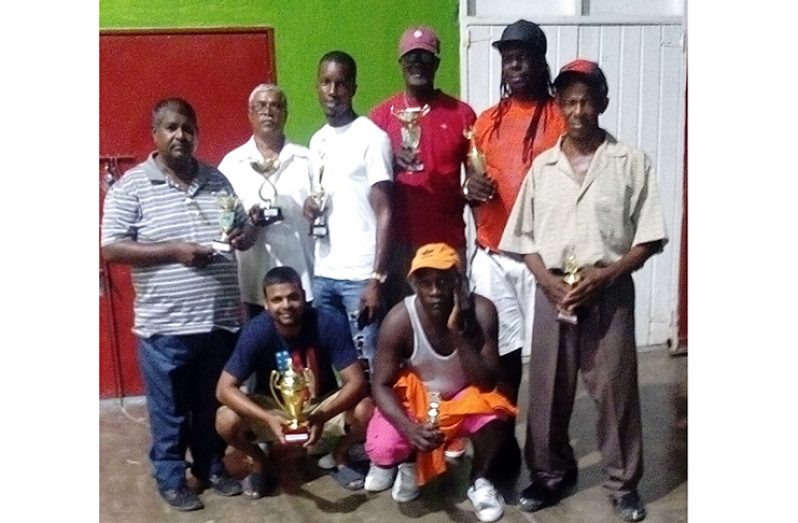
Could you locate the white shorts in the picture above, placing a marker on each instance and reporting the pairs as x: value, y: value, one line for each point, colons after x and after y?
x: 510, y: 285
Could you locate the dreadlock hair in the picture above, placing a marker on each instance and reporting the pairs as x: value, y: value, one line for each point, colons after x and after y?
x: 541, y: 91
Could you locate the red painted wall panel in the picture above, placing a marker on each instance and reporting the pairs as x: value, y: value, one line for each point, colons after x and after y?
x: 214, y: 70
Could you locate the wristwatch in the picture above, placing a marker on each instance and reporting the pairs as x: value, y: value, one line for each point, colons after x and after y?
x: 380, y: 277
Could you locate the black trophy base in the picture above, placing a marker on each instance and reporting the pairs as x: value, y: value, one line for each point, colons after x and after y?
x: 268, y: 216
x: 272, y: 214
x: 318, y: 230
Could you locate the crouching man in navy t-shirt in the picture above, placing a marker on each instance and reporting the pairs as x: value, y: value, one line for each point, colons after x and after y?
x: 315, y: 339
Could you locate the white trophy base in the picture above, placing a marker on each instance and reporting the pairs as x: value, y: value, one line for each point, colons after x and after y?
x: 221, y: 246
x: 567, y: 318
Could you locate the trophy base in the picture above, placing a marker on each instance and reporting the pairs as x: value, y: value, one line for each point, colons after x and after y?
x: 415, y: 168
x: 272, y: 214
x: 318, y: 231
x: 295, y: 436
x: 221, y: 246
x: 566, y: 317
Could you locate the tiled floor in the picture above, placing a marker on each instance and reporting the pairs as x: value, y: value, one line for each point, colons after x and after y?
x: 306, y: 494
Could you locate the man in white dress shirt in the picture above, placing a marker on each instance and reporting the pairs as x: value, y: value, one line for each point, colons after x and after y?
x: 270, y: 173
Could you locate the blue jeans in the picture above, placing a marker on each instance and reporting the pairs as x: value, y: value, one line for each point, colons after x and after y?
x: 180, y: 375
x: 344, y: 296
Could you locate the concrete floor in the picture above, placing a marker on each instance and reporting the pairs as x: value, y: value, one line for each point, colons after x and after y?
x: 306, y: 494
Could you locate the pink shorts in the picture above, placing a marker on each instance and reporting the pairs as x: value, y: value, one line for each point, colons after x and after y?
x: 386, y: 446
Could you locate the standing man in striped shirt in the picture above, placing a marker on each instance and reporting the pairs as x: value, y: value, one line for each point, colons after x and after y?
x: 161, y: 218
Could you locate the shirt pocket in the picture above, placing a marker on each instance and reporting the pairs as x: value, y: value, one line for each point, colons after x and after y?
x: 612, y: 217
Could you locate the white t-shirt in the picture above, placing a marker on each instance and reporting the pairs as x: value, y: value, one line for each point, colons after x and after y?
x: 285, y: 243
x: 355, y: 157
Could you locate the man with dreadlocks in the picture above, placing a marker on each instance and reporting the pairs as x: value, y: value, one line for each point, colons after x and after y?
x: 510, y: 134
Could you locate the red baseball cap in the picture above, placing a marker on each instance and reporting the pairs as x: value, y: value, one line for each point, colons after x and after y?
x: 587, y: 70
x: 419, y: 37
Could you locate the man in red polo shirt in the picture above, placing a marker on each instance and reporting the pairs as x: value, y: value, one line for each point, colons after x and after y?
x: 428, y: 204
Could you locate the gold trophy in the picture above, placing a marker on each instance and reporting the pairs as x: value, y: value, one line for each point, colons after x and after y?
x: 571, y: 277
x: 294, y: 388
x: 269, y: 212
x: 411, y: 130
x: 433, y: 409
x: 474, y: 158
x: 227, y: 219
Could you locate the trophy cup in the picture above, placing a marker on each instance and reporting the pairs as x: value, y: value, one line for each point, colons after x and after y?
x: 294, y: 388
x: 433, y: 409
x: 227, y: 218
x: 571, y: 277
x: 474, y: 158
x: 318, y: 227
x: 268, y: 191
x: 411, y: 130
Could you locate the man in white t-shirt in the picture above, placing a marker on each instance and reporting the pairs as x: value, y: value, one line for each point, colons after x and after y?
x: 270, y: 172
x: 354, y: 160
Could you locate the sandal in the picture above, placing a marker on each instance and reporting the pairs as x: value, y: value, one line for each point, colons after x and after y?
x: 258, y: 484
x: 348, y: 478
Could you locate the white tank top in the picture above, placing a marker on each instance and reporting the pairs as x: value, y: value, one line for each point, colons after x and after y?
x: 439, y: 373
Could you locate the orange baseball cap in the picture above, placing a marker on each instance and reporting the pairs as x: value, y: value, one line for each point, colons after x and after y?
x: 434, y: 256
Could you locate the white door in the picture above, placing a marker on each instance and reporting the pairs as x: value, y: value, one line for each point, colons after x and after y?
x: 645, y: 67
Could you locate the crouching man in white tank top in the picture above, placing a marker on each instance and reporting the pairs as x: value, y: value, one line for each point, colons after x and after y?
x: 435, y: 375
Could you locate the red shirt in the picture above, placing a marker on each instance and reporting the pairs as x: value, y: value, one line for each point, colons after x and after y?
x: 428, y: 205
x: 506, y: 160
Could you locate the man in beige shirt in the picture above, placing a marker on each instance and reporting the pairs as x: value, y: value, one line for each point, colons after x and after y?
x: 590, y: 203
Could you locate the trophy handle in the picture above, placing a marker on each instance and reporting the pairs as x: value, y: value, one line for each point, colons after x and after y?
x: 310, y: 379
x: 275, y: 376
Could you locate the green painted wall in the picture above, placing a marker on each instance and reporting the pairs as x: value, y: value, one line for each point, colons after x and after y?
x: 304, y: 31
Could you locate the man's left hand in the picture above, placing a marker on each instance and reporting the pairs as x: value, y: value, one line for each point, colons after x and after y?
x: 370, y: 302
x: 315, y: 428
x: 594, y: 279
x: 242, y: 237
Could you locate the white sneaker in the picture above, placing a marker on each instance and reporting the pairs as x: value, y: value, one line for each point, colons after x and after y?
x: 379, y: 478
x: 326, y: 462
x: 488, y: 503
x: 405, y: 488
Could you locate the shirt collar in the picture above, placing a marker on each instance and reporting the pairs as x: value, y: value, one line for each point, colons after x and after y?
x: 156, y: 175
x: 609, y: 147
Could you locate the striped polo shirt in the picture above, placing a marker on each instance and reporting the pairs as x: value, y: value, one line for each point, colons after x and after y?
x: 172, y: 299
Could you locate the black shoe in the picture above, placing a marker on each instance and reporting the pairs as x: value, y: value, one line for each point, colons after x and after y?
x: 536, y: 496
x: 629, y: 507
x: 181, y: 498
x: 569, y: 479
x: 225, y: 485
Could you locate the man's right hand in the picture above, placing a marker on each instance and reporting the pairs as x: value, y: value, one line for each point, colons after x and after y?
x: 193, y: 254
x: 480, y: 188
x: 311, y: 208
x: 424, y: 437
x: 554, y: 288
x: 275, y: 422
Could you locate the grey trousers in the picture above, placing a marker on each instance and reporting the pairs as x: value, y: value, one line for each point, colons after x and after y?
x: 601, y: 346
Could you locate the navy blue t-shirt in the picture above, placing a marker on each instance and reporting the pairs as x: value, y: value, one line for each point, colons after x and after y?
x: 259, y: 341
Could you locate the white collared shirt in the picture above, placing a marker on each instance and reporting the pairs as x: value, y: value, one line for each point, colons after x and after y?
x: 285, y: 243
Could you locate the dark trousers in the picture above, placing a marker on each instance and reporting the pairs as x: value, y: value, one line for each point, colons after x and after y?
x: 602, y: 346
x: 180, y: 375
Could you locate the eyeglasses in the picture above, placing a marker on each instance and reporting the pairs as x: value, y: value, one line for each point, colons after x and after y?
x: 418, y: 57
x: 258, y: 107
